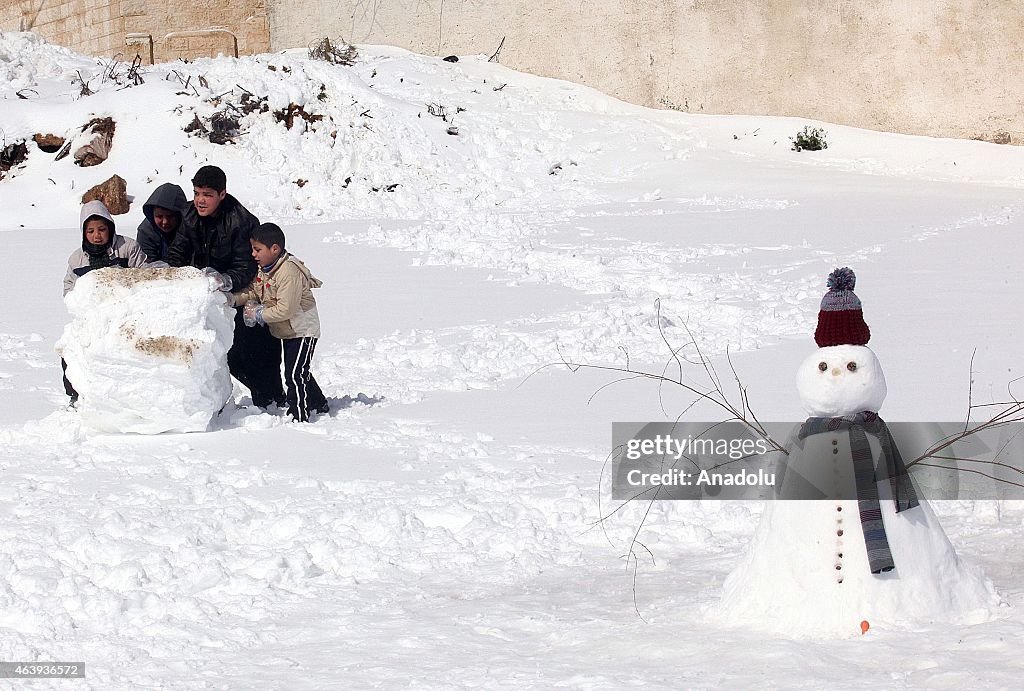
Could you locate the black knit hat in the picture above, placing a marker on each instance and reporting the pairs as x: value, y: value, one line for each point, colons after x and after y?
x: 212, y: 177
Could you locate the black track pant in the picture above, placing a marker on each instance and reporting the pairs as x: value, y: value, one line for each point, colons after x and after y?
x: 255, y: 360
x: 304, y: 394
x: 68, y: 388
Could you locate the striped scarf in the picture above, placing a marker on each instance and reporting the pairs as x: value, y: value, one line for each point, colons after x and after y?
x: 865, y: 471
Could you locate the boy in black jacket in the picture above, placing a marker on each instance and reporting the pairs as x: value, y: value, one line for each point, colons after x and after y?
x: 214, y: 234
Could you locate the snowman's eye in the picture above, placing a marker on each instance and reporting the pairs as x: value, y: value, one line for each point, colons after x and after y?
x: 822, y: 366
x: 852, y: 366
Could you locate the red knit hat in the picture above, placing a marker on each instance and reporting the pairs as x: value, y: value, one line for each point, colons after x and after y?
x: 841, y: 320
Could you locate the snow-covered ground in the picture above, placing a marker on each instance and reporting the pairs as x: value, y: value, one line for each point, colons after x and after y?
x: 449, y: 535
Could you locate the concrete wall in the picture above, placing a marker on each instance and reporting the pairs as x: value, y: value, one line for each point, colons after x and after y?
x: 103, y: 27
x: 938, y: 67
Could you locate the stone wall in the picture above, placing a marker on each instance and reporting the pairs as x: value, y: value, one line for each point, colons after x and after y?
x: 936, y: 67
x: 168, y: 30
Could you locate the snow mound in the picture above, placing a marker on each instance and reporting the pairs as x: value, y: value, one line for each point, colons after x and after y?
x: 147, y: 349
x: 26, y: 59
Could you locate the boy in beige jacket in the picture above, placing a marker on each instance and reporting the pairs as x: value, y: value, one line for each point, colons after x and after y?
x: 281, y: 297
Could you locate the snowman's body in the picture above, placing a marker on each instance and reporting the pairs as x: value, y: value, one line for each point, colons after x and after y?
x: 819, y: 465
x: 807, y: 570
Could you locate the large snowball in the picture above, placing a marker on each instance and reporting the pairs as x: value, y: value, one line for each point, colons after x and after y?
x: 147, y: 349
x: 841, y: 380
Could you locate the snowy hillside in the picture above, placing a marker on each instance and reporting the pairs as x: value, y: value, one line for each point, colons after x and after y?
x: 473, y: 225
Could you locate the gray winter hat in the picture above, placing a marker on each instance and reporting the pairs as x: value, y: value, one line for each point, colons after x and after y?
x: 99, y: 210
x: 840, y: 295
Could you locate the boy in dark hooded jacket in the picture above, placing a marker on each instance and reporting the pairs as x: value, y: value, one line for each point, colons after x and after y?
x: 163, y: 211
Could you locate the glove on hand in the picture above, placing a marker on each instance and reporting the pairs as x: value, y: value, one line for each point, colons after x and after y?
x: 156, y: 265
x: 252, y: 314
x: 221, y: 282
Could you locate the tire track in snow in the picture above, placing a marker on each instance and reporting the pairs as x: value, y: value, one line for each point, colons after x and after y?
x: 720, y: 309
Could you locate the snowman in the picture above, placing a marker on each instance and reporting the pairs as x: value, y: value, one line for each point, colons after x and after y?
x: 848, y: 545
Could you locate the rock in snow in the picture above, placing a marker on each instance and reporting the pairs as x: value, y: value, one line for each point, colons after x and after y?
x: 113, y: 192
x: 147, y: 349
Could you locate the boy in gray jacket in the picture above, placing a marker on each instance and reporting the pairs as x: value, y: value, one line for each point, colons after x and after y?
x: 101, y: 247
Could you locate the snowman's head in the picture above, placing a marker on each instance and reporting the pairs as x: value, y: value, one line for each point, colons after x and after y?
x: 841, y: 380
